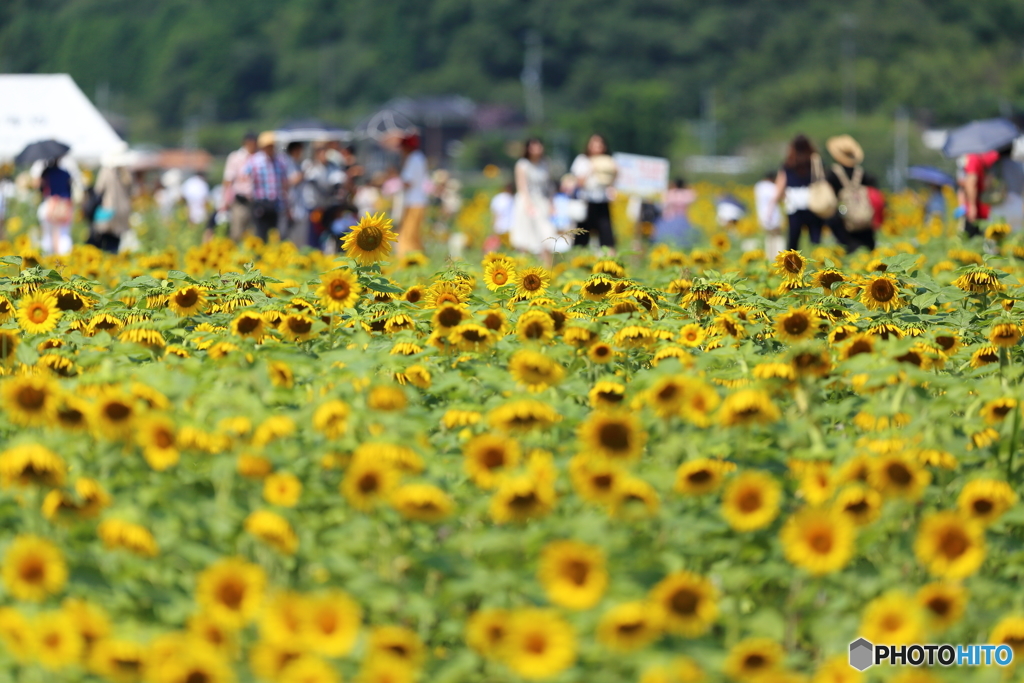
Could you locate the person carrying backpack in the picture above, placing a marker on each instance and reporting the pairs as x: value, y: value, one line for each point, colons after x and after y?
x: 854, y: 223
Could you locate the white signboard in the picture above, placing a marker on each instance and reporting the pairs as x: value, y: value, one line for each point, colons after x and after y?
x: 641, y: 175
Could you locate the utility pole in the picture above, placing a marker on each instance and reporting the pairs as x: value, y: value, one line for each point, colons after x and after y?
x: 533, y: 62
x: 848, y: 22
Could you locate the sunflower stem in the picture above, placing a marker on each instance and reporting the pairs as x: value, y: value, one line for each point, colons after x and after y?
x: 1013, y: 444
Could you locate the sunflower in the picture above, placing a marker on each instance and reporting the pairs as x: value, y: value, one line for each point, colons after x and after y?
x: 751, y: 501
x: 33, y: 568
x: 747, y: 407
x: 629, y: 626
x: 414, y: 295
x: 206, y: 629
x: 486, y: 630
x: 16, y: 634
x: 979, y: 280
x: 31, y: 464
x: 881, y: 292
x: 820, y: 542
x: 296, y: 327
x: 862, y: 505
x: 942, y: 604
x: 370, y: 241
x: 608, y: 267
x: 397, y: 644
x: 595, y: 479
x: 230, y: 591
x: 422, y: 502
x: 520, y: 498
x: 573, y: 574
x: 120, y: 661
x: 535, y: 370
x: 828, y: 278
x: 134, y: 538
x: 949, y: 545
x: 1009, y: 631
x: 893, y: 618
x: 385, y: 671
x: 38, y: 313
x: 616, y: 435
x: 157, y: 437
x: 752, y: 658
x: 284, y: 619
x: 339, y: 289
x: 539, y: 644
x: 689, y: 602
x: 601, y: 353
x: 796, y: 325
x: 535, y: 326
x: 597, y: 288
x: 499, y: 273
x: 986, y: 355
x: 6, y: 309
x: 332, y: 622
x: 331, y: 418
x: 113, y: 414
x: 195, y: 661
x: 9, y: 340
x: 447, y: 317
x: 308, y: 669
x: 487, y: 456
x: 387, y: 398
x: 58, y: 644
x: 1004, y: 335
x: 666, y: 396
x: 531, y: 282
x: 368, y: 482
x: 985, y: 500
x: 790, y: 265
x: 701, y: 476
x: 189, y: 300
x: 282, y: 488
x: 523, y: 415
x: 447, y: 293
x: 29, y: 400
x: 606, y: 395
x: 896, y: 475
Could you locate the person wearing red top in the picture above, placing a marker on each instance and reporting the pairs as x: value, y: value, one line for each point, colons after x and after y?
x: 974, y: 186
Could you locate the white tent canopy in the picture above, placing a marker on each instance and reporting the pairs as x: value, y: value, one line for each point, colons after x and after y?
x: 37, y: 107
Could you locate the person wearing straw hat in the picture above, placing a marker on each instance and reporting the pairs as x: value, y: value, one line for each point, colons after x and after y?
x: 848, y: 155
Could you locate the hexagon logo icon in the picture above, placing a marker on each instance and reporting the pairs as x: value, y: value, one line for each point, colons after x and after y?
x: 861, y: 654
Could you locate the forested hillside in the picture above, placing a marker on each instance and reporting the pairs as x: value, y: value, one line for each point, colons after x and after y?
x: 761, y: 62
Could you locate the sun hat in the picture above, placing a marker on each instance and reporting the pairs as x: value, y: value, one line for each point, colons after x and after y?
x: 845, y: 150
x: 266, y: 139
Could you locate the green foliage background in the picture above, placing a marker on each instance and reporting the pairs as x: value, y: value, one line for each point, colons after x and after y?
x: 769, y: 62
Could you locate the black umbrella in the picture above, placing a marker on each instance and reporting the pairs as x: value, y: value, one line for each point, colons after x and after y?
x: 44, y: 150
x: 980, y: 136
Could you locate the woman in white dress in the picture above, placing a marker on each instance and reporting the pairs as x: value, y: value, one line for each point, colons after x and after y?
x: 532, y: 229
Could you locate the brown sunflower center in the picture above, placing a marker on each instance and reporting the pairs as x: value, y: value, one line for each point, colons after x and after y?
x: 899, y: 474
x: 858, y: 347
x: 983, y: 506
x: 493, y: 458
x: 163, y: 438
x: 69, y: 301
x: 187, y: 298
x: 615, y: 436
x: 30, y: 398
x: 536, y: 644
x: 450, y: 317
x: 532, y: 282
x: 576, y: 571
x: 38, y: 313
x: 398, y: 649
x: 700, y: 477
x: 829, y: 279
x: 792, y: 263
x: 339, y: 289
x: 953, y: 543
x: 939, y: 605
x: 32, y: 570
x: 370, y: 238
x: 749, y: 501
x: 857, y: 508
x: 820, y: 541
x: 473, y: 336
x: 231, y: 592
x: 684, y: 602
x: 298, y: 325
x: 630, y: 627
x: 599, y: 288
x: 523, y: 502
x: 198, y: 676
x: 127, y: 665
x: 368, y: 483
x: 499, y: 277
x: 882, y: 290
x: 492, y: 321
x: 534, y: 330
x: 755, y: 661
x: 117, y: 411
x: 603, y: 482
x: 248, y: 324
x: 796, y: 324
x: 668, y: 393
x: 945, y: 342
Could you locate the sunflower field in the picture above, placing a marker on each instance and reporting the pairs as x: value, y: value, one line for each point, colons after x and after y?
x: 245, y: 463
